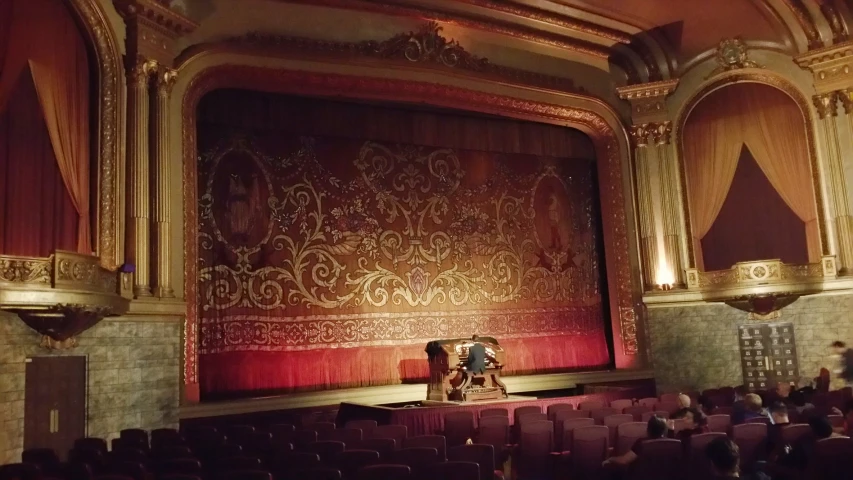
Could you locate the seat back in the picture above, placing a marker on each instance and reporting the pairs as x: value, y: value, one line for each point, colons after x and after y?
x: 455, y: 471
x: 719, y: 423
x: 45, y: 458
x: 560, y: 419
x: 134, y: 436
x: 384, y: 446
x: 326, y: 449
x: 419, y: 459
x: 698, y: 466
x: 521, y: 411
x: 91, y: 442
x: 660, y: 459
x: 20, y: 471
x: 494, y: 431
x: 556, y: 407
x: 751, y: 439
x: 351, y: 461
x: 648, y: 402
x: 481, y: 454
x: 254, y: 475
x: 637, y: 412
x: 669, y: 407
x: 240, y: 434
x: 349, y: 436
x: 317, y: 473
x: 832, y: 459
x: 531, y: 417
x: 669, y: 397
x: 791, y: 433
x: 762, y: 420
x: 589, y: 450
x: 494, y: 412
x: 621, y: 404
x: 237, y: 464
x: 536, y: 442
x: 366, y: 426
x: 656, y: 413
x: 627, y: 435
x: 437, y: 442
x: 613, y: 421
x: 459, y: 427
x: 591, y: 405
x: 599, y: 414
x: 563, y: 432
x: 295, y: 461
x: 397, y: 432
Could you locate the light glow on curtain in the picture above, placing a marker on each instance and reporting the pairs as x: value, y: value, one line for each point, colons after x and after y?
x: 772, y: 127
x: 40, y: 37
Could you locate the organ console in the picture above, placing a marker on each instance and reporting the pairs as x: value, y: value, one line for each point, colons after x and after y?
x: 451, y: 381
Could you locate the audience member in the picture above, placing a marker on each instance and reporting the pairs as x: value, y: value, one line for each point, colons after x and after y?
x: 725, y: 458
x: 749, y: 409
x: 683, y: 401
x: 845, y: 361
x: 798, y: 454
x: 783, y: 391
x: 655, y: 429
x: 779, y: 417
x: 694, y: 424
x: 847, y: 412
x: 798, y: 400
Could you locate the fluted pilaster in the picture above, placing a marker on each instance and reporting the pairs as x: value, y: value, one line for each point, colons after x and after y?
x: 648, y: 240
x: 138, y: 230
x: 827, y: 109
x: 669, y: 200
x: 162, y: 216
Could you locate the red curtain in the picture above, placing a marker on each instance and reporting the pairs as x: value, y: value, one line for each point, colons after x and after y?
x: 41, y: 45
x: 337, y: 239
x: 36, y: 213
x: 769, y: 229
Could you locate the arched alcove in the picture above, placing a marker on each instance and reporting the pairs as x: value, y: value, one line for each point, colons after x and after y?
x: 749, y: 122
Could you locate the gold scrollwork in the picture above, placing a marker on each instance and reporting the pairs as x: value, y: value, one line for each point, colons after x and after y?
x: 22, y: 270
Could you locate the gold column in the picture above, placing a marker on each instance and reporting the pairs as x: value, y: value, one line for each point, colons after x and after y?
x: 138, y: 234
x: 162, y: 216
x: 648, y: 239
x: 669, y: 199
x: 827, y: 109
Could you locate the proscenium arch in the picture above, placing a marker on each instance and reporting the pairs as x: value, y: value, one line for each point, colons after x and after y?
x: 100, y: 37
x: 598, y: 121
x: 769, y: 79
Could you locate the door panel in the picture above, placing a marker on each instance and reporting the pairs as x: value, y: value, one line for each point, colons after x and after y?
x: 55, y: 402
x: 768, y: 355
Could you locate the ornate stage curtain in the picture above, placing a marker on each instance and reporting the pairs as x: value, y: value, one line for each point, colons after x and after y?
x: 337, y: 239
x: 771, y: 126
x: 40, y: 39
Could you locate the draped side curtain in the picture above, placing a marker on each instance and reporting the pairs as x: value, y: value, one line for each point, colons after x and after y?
x: 39, y: 38
x: 772, y: 127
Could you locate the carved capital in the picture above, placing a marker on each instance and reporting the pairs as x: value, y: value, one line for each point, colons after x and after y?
x: 661, y: 132
x: 648, y: 100
x: 139, y: 72
x: 846, y: 101
x: 639, y: 135
x: 826, y: 104
x: 164, y: 80
x: 832, y: 67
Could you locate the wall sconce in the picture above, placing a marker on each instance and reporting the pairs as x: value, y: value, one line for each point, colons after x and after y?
x: 665, y: 278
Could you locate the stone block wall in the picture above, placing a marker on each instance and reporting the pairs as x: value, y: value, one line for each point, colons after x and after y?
x: 133, y: 376
x: 696, y: 347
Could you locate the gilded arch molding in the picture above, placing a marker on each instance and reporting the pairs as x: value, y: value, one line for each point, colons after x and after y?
x: 610, y: 144
x: 764, y: 77
x: 100, y: 35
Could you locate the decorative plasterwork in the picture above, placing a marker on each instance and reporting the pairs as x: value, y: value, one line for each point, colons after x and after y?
x: 806, y: 22
x: 732, y: 54
x: 425, y: 46
x: 153, y: 28
x: 832, y: 67
x: 648, y: 100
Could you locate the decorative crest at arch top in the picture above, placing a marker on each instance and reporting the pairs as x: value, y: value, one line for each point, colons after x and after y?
x: 429, y: 46
x: 733, y: 53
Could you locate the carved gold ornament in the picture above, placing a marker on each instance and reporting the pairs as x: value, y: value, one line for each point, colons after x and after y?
x: 733, y: 53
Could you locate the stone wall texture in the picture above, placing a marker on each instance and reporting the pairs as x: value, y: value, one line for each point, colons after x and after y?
x: 133, y: 376
x: 696, y: 347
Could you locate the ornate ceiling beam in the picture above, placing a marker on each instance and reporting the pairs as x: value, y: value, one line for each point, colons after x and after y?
x: 806, y: 23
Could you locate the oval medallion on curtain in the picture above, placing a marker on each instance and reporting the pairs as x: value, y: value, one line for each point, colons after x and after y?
x: 739, y: 212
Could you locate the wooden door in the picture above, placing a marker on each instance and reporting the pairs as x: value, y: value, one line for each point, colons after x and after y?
x: 768, y: 355
x: 55, y: 402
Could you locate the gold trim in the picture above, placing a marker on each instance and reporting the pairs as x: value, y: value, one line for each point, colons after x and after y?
x: 806, y: 22
x: 108, y: 124
x: 749, y: 76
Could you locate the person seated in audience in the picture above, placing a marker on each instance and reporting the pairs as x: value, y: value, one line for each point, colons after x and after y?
x: 695, y: 423
x: 724, y: 456
x: 749, y: 409
x: 796, y: 456
x: 783, y: 392
x: 779, y: 417
x: 847, y: 413
x: 655, y: 429
x: 683, y: 400
x: 798, y: 400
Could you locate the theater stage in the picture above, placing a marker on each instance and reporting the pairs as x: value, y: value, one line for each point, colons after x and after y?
x: 528, y: 385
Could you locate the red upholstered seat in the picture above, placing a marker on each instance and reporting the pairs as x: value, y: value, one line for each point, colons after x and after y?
x: 791, y: 433
x: 621, y: 404
x: 670, y: 407
x: 178, y: 477
x: 167, y: 453
x: 322, y: 429
x: 94, y: 458
x: 591, y: 405
x: 482, y: 455
x: 589, y: 449
x: 419, y: 459
x: 660, y: 459
x: 455, y: 471
x: 637, y: 411
x: 248, y: 475
x: 563, y: 432
x: 384, y: 446
x: 719, y: 423
x: 722, y: 410
x: 20, y: 471
x: 397, y: 432
x: 283, y: 431
x: 832, y: 459
x: 648, y: 402
x: 561, y: 418
x: 91, y: 442
x: 385, y: 472
x: 459, y: 427
x: 327, y: 449
x: 751, y: 439
x: 295, y: 461
x: 494, y: 412
x: 763, y: 420
x: 133, y: 470
x: 668, y: 398
x: 627, y: 435
x: 318, y: 473
x: 178, y: 466
x: 134, y: 437
x: 45, y: 458
x: 366, y: 426
x: 613, y: 421
x: 126, y: 454
x: 837, y: 421
x: 437, y: 442
x: 532, y: 457
x: 349, y: 436
x: 231, y: 464
x: 494, y: 431
x: 657, y: 413
x: 598, y: 414
x: 302, y: 438
x: 351, y: 461
x: 240, y: 434
x: 557, y: 407
x: 520, y: 412
x: 698, y: 466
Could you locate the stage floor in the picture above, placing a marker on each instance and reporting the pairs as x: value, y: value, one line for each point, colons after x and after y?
x: 401, y: 394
